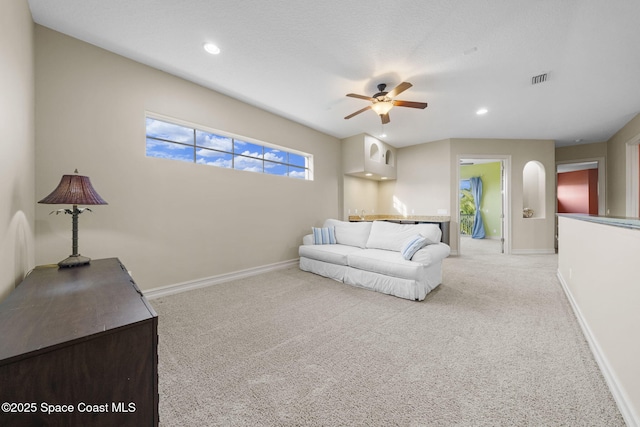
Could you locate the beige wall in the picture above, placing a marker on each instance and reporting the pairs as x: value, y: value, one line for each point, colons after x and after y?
x: 17, y: 144
x: 581, y: 152
x: 169, y: 222
x: 359, y: 194
x: 422, y: 184
x: 601, y: 279
x: 617, y: 166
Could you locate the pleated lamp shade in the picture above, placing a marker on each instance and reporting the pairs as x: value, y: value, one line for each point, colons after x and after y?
x: 74, y: 190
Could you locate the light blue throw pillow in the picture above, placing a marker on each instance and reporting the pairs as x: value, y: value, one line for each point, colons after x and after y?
x: 412, y: 245
x: 324, y: 236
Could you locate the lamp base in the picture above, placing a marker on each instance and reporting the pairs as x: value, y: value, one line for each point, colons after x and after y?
x: 74, y: 261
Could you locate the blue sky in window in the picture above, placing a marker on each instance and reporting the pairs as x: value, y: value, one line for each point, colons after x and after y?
x: 275, y: 155
x: 213, y: 158
x: 297, y: 160
x: 275, y: 169
x: 168, y: 150
x: 247, y: 149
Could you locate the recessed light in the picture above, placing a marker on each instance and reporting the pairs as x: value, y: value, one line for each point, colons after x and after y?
x: 383, y: 177
x: 211, y: 48
x: 482, y: 111
x: 368, y: 174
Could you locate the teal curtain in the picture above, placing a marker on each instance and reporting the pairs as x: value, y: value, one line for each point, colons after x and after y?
x: 478, y: 225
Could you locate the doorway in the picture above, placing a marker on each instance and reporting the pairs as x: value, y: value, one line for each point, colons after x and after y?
x: 577, y: 189
x: 591, y: 197
x: 481, y: 205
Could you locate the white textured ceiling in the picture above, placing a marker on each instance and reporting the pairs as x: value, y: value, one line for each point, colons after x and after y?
x: 299, y: 59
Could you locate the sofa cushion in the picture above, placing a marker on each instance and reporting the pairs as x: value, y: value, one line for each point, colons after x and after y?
x: 392, y: 236
x: 334, y: 254
x: 350, y: 233
x: 323, y: 236
x: 386, y: 262
x: 412, y: 245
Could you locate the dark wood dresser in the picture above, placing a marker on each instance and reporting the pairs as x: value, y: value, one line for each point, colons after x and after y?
x: 78, y: 347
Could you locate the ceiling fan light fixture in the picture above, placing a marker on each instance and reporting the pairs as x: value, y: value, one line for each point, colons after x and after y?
x: 382, y: 132
x: 382, y: 102
x: 382, y: 107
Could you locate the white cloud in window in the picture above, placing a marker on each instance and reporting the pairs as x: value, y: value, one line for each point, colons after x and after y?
x: 169, y: 131
x: 251, y: 154
x: 216, y: 142
x: 247, y: 164
x: 274, y: 157
x: 210, y: 153
x: 222, y: 163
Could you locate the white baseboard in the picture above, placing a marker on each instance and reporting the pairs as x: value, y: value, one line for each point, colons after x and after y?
x: 533, y: 251
x: 622, y: 400
x: 215, y: 280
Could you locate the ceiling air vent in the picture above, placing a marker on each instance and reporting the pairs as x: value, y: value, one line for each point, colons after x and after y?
x: 541, y: 78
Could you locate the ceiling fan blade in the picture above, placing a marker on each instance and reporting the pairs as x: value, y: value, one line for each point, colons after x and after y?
x: 399, y: 89
x: 410, y: 104
x: 385, y: 118
x: 368, y: 107
x: 355, y: 95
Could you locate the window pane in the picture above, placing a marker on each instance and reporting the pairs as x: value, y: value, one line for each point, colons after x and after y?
x: 297, y: 160
x: 211, y: 140
x: 169, y: 131
x: 169, y: 150
x: 247, y: 149
x: 275, y: 168
x: 213, y: 158
x: 247, y: 164
x: 275, y: 155
x: 295, y: 172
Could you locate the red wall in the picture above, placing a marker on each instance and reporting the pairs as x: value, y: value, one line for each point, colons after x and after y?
x: 578, y: 192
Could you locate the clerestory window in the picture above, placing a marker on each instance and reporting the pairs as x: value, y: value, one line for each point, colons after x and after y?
x: 190, y: 143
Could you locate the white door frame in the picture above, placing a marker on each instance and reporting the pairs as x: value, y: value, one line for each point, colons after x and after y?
x: 505, y: 159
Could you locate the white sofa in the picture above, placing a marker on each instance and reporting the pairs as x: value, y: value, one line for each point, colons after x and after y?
x: 369, y: 255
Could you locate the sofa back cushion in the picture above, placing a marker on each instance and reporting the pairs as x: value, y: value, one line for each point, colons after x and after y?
x: 392, y: 236
x: 350, y: 233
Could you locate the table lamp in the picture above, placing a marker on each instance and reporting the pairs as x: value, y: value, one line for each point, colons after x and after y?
x: 74, y: 190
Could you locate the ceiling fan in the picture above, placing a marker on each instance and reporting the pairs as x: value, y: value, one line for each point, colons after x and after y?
x: 383, y: 101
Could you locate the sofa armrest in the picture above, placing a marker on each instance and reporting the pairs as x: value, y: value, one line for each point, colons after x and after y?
x: 308, y: 239
x: 432, y: 253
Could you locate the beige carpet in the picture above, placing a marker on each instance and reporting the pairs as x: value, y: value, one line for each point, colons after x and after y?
x: 495, y: 345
